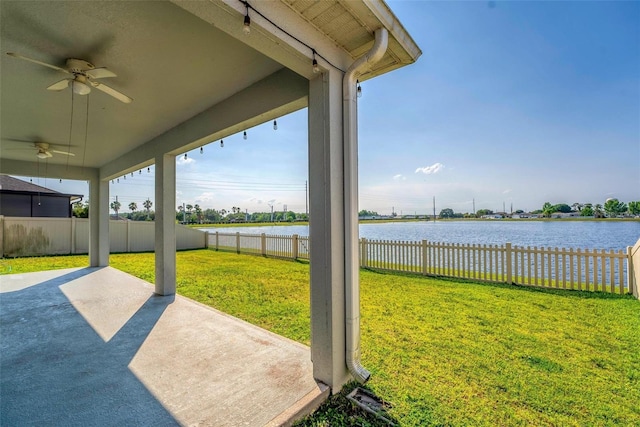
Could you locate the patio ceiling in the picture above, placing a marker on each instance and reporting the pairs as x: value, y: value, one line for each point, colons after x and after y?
x: 176, y: 60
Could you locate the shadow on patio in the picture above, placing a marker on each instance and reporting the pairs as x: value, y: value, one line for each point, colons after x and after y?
x: 95, y: 346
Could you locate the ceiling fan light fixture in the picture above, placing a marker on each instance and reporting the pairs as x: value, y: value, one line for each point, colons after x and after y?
x: 80, y: 88
x: 42, y: 155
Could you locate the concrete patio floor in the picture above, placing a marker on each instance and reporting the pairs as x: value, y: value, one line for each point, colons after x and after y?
x: 96, y: 347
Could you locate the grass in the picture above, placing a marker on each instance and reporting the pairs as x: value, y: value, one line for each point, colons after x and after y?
x: 441, y: 351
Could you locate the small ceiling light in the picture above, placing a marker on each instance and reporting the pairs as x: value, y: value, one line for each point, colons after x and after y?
x: 275, y: 125
x: 201, y: 150
x: 42, y: 155
x: 185, y: 156
x: 80, y: 88
x: 221, y: 143
x: 244, y: 135
x: 140, y: 172
x: 112, y: 181
x: 118, y: 180
x: 358, y: 89
x: 247, y: 23
x: 125, y: 177
x: 314, y: 63
x: 60, y: 180
x: 148, y: 170
x: 132, y: 174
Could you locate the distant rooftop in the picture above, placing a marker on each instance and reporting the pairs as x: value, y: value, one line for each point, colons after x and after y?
x: 9, y: 183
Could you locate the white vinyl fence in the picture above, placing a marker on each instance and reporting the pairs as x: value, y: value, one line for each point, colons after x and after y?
x: 61, y: 236
x: 588, y: 269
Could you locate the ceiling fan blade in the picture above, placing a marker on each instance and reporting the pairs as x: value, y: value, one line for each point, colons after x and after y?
x: 66, y: 153
x: 35, y: 61
x: 111, y: 91
x: 100, y: 73
x: 61, y: 85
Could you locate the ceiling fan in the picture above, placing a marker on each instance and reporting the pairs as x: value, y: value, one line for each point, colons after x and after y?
x: 44, y: 152
x: 83, y: 77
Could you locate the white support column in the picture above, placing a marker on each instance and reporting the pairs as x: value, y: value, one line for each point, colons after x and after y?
x: 326, y: 230
x: 99, y: 244
x: 165, y: 223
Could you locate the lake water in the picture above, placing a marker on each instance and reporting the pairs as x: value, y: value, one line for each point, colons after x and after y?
x: 564, y: 234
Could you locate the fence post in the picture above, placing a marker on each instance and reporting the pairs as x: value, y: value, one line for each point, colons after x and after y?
x: 363, y: 253
x: 425, y: 257
x: 238, y: 242
x: 128, y: 228
x: 73, y: 236
x: 509, y: 263
x: 1, y: 236
x: 263, y: 244
x: 632, y: 285
x: 206, y: 240
x: 217, y: 240
x: 294, y: 246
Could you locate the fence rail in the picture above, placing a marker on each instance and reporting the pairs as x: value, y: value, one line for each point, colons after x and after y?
x: 558, y: 268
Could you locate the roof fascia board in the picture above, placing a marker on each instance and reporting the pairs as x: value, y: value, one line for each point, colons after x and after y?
x: 280, y: 93
x: 383, y: 13
x: 227, y: 15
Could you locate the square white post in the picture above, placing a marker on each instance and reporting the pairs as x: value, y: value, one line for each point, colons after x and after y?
x: 165, y: 223
x: 326, y: 230
x: 99, y: 244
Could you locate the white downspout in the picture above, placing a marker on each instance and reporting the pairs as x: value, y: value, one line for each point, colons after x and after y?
x: 352, y: 263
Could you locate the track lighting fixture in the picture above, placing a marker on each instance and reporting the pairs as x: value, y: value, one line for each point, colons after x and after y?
x: 132, y: 174
x: 140, y: 172
x: 221, y: 143
x: 358, y: 89
x: 201, y: 150
x: 244, y: 135
x: 118, y: 180
x: 275, y: 125
x: 185, y: 156
x: 148, y: 170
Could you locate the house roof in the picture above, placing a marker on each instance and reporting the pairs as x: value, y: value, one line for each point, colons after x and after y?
x: 9, y: 184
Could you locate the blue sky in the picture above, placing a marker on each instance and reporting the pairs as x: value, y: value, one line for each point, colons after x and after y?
x: 513, y: 103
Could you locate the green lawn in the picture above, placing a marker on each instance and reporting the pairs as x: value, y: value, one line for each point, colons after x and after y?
x: 442, y: 352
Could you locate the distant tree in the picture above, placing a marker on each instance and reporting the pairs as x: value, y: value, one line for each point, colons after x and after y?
x: 577, y: 206
x: 447, y: 213
x: 482, y: 212
x: 548, y: 209
x: 519, y: 211
x: 367, y: 213
x: 562, y: 207
x: 597, y: 211
x: 81, y: 210
x: 133, y: 207
x: 587, y: 210
x: 614, y: 207
x: 115, y: 206
x: 147, y: 205
x: 634, y: 208
x: 198, y: 211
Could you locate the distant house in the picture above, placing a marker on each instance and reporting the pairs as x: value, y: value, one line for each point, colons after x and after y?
x: 25, y: 199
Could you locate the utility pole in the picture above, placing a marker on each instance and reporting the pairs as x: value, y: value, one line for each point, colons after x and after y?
x: 474, y: 206
x: 434, y: 208
x: 184, y: 213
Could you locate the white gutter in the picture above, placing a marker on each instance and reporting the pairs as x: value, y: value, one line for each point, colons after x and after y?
x: 352, y: 264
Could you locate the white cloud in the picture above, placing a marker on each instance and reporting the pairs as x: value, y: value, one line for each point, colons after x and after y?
x: 430, y: 170
x: 507, y: 191
x: 399, y: 177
